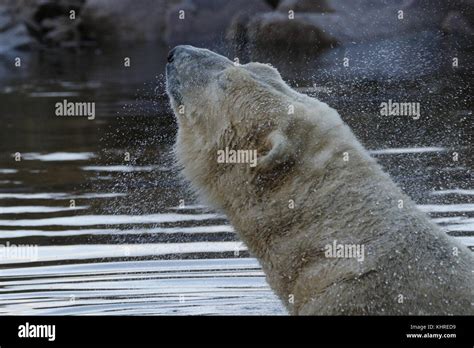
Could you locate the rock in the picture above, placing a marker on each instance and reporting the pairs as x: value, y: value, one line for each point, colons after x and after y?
x: 318, y: 25
x: 14, y: 39
x: 6, y: 19
x: 121, y: 22
x: 236, y: 35
x: 61, y: 32
x: 14, y: 35
x: 304, y: 6
x: 106, y: 22
x: 206, y: 21
x: 416, y: 14
x: 54, y: 23
x: 274, y: 32
x: 370, y: 33
x: 273, y: 3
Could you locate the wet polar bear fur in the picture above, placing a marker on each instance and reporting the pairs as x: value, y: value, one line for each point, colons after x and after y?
x: 311, y: 158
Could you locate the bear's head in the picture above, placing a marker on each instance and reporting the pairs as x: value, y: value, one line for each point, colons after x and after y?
x: 242, y: 129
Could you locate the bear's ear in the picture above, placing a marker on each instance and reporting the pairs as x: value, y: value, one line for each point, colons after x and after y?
x: 264, y: 71
x: 233, y: 74
x: 269, y: 75
x: 280, y: 151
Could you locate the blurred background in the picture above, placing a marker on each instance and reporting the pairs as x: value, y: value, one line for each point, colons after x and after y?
x: 113, y: 229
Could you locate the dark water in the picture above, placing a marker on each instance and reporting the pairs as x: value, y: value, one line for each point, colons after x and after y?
x: 105, y: 235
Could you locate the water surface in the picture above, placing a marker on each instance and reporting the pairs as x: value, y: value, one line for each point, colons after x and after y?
x: 114, y: 236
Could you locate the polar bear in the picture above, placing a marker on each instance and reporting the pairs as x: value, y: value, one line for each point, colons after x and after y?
x: 314, y: 188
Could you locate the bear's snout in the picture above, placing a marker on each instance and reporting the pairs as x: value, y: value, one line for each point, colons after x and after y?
x: 188, y: 59
x: 171, y: 56
x: 179, y: 51
x: 192, y: 69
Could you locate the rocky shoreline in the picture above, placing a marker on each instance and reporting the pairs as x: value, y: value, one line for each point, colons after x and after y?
x: 339, y: 34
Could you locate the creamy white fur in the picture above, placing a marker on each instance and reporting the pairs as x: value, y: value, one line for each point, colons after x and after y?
x: 410, y: 265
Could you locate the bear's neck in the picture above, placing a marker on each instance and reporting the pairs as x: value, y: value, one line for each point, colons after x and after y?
x: 289, y: 228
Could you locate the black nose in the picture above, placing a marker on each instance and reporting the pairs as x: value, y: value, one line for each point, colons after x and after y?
x: 171, y: 55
